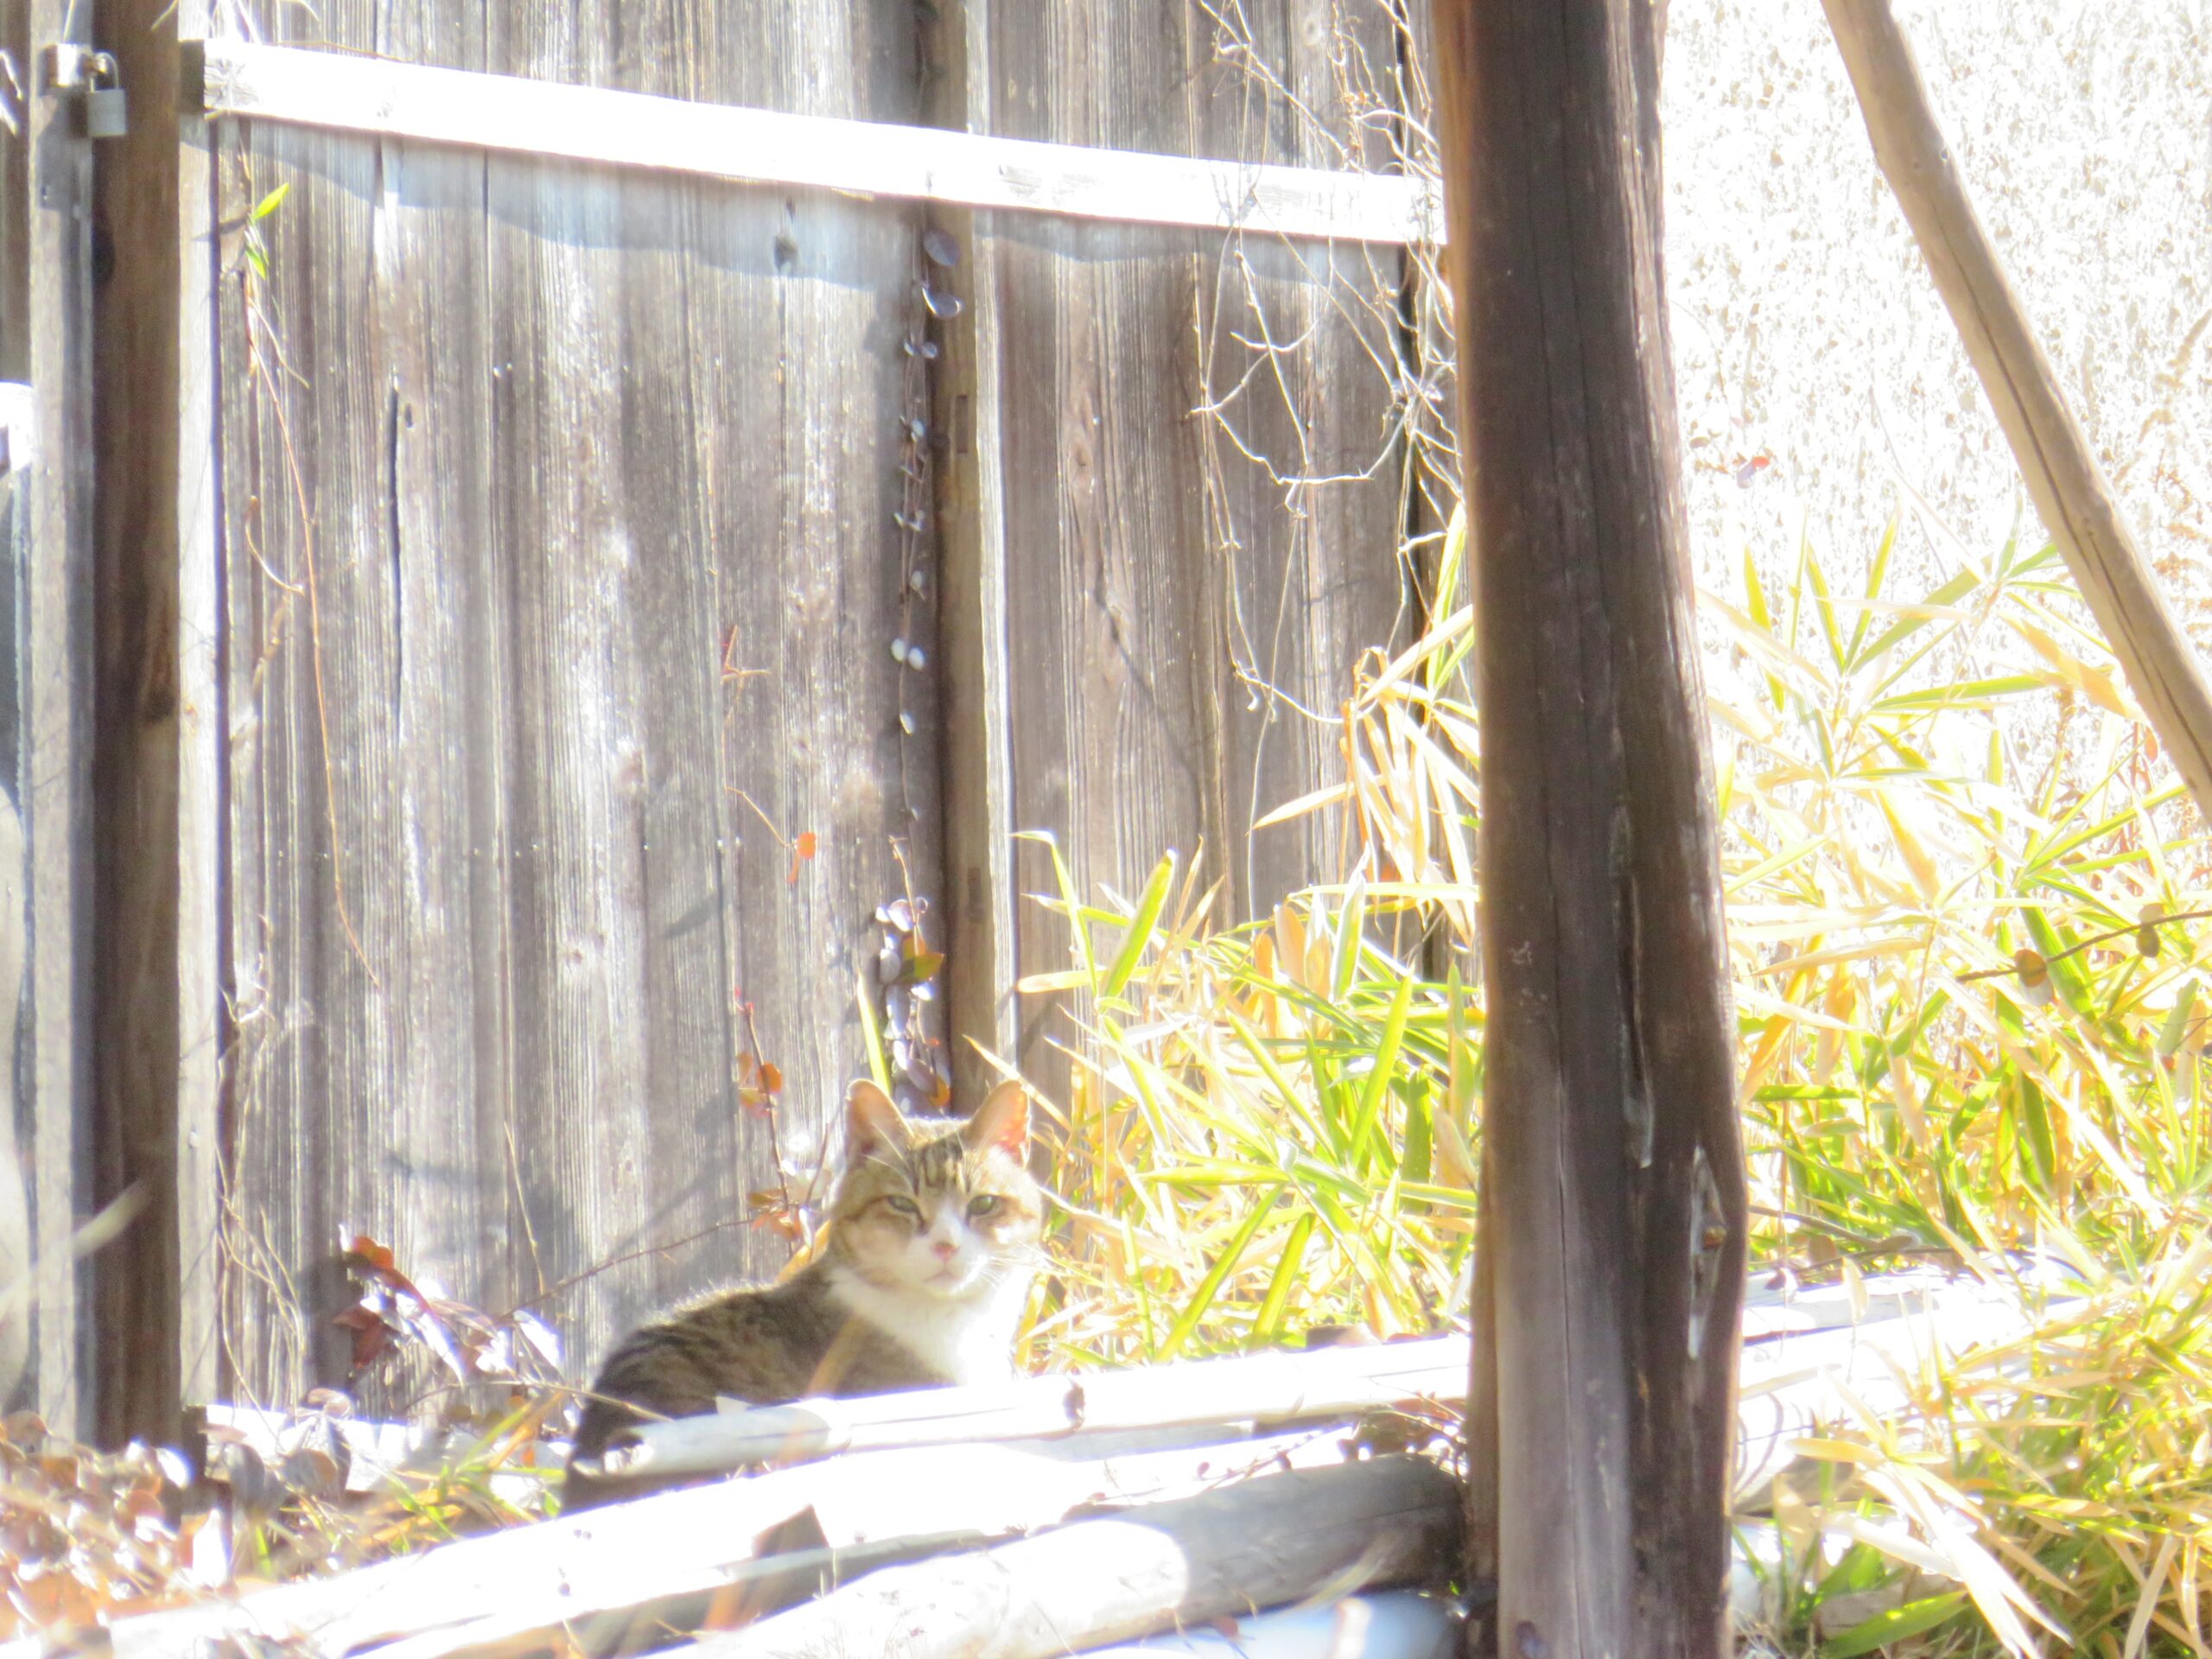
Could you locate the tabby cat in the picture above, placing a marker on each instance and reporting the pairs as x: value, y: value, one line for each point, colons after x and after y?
x: 921, y: 1279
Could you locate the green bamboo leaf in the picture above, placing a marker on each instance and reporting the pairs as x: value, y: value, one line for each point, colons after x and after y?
x: 1459, y: 1056
x: 1267, y: 1328
x: 1208, y: 1287
x: 2174, y: 1032
x: 1451, y: 568
x: 1141, y: 927
x: 1875, y: 576
x: 1414, y: 1161
x: 1969, y: 694
x: 1943, y: 598
x: 1825, y: 606
x: 1755, y: 594
x: 1065, y: 882
x: 2035, y: 1123
x: 1755, y: 607
x: 2067, y: 976
x: 1344, y: 962
x: 1895, y: 1625
x: 1386, y: 1063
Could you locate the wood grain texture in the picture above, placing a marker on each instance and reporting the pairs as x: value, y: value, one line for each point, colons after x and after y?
x: 17, y: 1257
x: 558, y: 588
x: 1179, y: 590
x: 532, y: 116
x: 18, y: 1130
x: 54, y: 669
x: 1613, y: 1192
x: 146, y: 708
x: 201, y: 1019
x: 1157, y: 1568
x: 557, y: 440
x: 969, y: 418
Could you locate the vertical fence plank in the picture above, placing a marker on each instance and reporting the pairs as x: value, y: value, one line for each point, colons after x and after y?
x: 17, y: 1126
x: 967, y: 414
x: 200, y: 1024
x: 156, y: 723
x: 18, y: 1257
x: 451, y: 1203
x: 1184, y: 591
x: 56, y: 683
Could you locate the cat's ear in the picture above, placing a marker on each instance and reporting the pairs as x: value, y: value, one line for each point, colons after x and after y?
x: 1001, y: 1122
x: 873, y: 1125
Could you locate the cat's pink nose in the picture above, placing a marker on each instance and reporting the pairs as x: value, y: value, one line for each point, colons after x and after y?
x: 944, y: 1247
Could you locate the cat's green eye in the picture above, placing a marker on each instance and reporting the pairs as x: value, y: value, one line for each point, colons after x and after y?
x: 906, y: 1207
x: 982, y: 1205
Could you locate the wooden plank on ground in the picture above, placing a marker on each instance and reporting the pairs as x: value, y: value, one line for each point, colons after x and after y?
x: 987, y: 1462
x: 597, y: 473
x: 480, y: 1592
x: 1258, y: 1543
x: 1266, y: 1387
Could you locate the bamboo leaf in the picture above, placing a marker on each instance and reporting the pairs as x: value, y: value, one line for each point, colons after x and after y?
x: 1938, y: 605
x: 1914, y: 1618
x: 1141, y: 927
x: 1876, y: 572
x: 1201, y: 1298
x: 1266, y: 1326
x: 1385, y: 1066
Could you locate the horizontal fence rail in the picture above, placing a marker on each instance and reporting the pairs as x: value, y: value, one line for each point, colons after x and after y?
x: 589, y: 124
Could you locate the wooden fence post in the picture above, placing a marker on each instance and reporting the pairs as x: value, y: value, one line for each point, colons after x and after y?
x: 153, y: 676
x: 1615, y: 1221
x: 52, y: 642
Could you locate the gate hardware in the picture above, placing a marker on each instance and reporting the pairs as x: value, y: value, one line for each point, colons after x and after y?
x: 75, y: 69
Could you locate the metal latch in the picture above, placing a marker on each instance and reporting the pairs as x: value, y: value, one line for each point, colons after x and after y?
x: 76, y: 71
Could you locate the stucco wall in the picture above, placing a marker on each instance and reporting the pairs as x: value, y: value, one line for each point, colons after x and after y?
x: 1806, y: 327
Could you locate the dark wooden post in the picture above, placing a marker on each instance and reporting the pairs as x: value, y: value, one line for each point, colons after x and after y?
x: 1615, y: 1227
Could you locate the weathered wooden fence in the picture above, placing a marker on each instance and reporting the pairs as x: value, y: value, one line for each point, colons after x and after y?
x: 547, y: 610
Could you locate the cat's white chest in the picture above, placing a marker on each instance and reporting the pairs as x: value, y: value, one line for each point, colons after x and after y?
x: 970, y: 1340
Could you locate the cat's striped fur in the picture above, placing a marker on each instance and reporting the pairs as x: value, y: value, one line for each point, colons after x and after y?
x: 926, y: 1264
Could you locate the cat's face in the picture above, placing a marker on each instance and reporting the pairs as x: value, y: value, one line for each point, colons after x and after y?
x: 945, y: 1214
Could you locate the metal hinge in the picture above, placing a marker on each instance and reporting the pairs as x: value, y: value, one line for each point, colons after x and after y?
x: 75, y: 71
